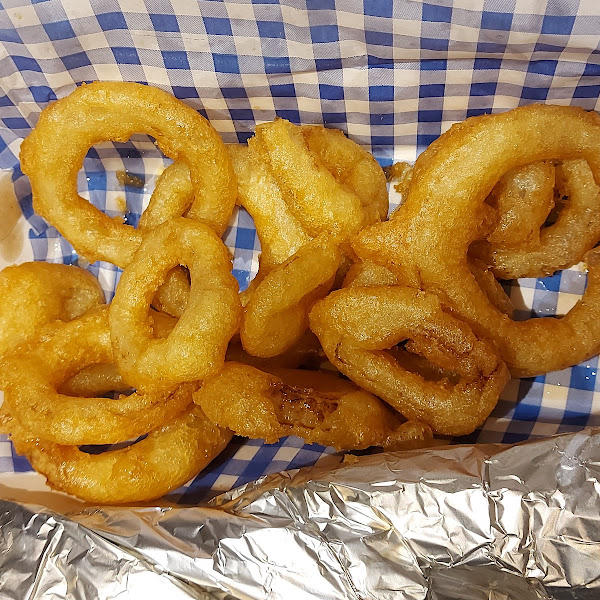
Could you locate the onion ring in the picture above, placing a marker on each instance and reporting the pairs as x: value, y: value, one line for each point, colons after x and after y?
x: 491, y: 286
x: 31, y: 377
x: 352, y: 167
x: 166, y: 459
x: 100, y: 379
x: 356, y: 326
x: 35, y: 294
x: 279, y: 232
x: 312, y: 193
x: 367, y: 274
x: 562, y: 244
x: 318, y: 407
x: 196, y: 347
x: 277, y: 314
x: 523, y: 199
x: 305, y: 353
x: 172, y: 296
x: 95, y: 380
x: 114, y: 110
x: 172, y: 196
x: 426, y: 244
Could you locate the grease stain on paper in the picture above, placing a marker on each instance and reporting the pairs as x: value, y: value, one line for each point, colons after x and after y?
x: 11, y: 237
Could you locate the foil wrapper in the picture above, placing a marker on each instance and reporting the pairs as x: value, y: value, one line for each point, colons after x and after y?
x: 463, y: 522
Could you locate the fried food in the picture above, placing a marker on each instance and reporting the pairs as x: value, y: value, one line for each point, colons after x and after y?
x: 196, y: 347
x: 565, y: 242
x: 365, y: 274
x: 35, y: 294
x: 357, y: 325
x: 316, y: 406
x: 352, y: 167
x: 306, y: 353
x: 523, y: 199
x: 315, y: 180
x: 400, y: 175
x: 312, y: 193
x: 173, y: 294
x: 113, y: 110
x: 32, y: 376
x: 426, y: 244
x: 491, y: 286
x: 279, y: 232
x: 95, y: 380
x: 172, y: 196
x: 166, y: 459
x: 277, y: 314
x: 103, y: 378
x: 421, y: 320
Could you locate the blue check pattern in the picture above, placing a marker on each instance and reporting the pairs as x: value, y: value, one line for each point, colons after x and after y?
x: 393, y: 74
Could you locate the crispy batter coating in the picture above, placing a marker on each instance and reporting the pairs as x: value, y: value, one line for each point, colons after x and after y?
x: 115, y: 110
x: 365, y: 274
x: 400, y: 175
x: 173, y: 294
x: 316, y: 406
x: 352, y: 167
x: 31, y: 379
x: 426, y: 244
x: 562, y: 244
x: 35, y: 294
x: 281, y: 235
x: 356, y: 327
x: 94, y: 380
x: 196, y: 346
x: 173, y: 194
x: 166, y: 459
x: 312, y: 193
x: 523, y: 199
x: 277, y: 314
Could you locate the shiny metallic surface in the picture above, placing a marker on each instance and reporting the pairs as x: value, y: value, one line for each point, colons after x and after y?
x: 464, y: 522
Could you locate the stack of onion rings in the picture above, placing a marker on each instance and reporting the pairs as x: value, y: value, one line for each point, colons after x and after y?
x: 420, y: 320
x: 427, y: 243
x: 357, y: 325
x: 103, y: 111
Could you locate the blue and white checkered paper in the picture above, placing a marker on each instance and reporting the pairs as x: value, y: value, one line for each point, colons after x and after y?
x: 392, y: 74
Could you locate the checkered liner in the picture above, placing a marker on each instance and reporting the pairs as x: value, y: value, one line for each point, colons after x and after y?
x: 392, y: 74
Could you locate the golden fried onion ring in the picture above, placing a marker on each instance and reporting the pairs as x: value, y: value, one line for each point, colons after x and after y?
x: 166, y: 459
x: 562, y: 244
x: 95, y: 380
x: 426, y: 244
x: 32, y: 376
x: 317, y: 406
x: 353, y: 168
x: 357, y: 325
x: 312, y: 193
x: 35, y: 294
x: 366, y: 274
x: 54, y: 151
x: 523, y: 199
x: 196, y: 347
x: 277, y: 314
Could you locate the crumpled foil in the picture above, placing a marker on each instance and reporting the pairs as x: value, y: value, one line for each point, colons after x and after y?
x: 464, y: 522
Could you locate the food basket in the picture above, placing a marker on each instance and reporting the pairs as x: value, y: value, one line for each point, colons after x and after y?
x: 393, y: 75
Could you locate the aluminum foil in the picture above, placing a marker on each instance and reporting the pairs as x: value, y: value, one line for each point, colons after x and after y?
x: 464, y: 522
